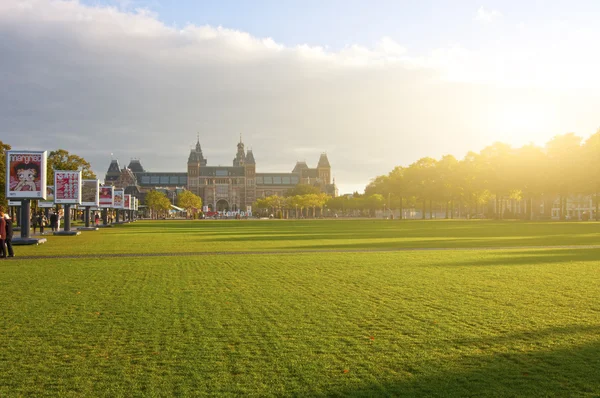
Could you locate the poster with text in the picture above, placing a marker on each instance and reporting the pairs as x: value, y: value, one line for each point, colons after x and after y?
x: 67, y: 186
x: 90, y: 195
x: 137, y: 204
x: 26, y: 175
x: 127, y: 202
x: 49, y: 202
x: 14, y: 203
x: 119, y: 198
x: 106, y: 197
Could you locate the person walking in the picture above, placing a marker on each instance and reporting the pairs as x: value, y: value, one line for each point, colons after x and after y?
x: 2, y: 234
x: 9, y: 235
x: 34, y: 222
x: 53, y: 220
x: 42, y: 221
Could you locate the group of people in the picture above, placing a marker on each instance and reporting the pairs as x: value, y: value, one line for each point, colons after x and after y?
x: 40, y: 220
x: 6, y: 234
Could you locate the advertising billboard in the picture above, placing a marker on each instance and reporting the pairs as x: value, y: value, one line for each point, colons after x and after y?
x: 49, y: 202
x: 67, y: 186
x: 119, y: 198
x: 127, y: 202
x: 90, y: 193
x: 106, y: 197
x: 26, y: 174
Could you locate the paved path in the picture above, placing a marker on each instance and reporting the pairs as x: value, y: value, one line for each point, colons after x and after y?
x: 288, y: 252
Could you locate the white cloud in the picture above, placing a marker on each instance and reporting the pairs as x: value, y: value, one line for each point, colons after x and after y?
x: 98, y: 80
x: 486, y: 16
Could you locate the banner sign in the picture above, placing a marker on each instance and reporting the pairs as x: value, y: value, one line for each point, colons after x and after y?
x: 137, y: 204
x: 119, y: 198
x: 13, y: 203
x: 49, y: 202
x: 90, y: 195
x: 106, y: 197
x: 26, y: 175
x: 67, y: 186
x: 127, y: 202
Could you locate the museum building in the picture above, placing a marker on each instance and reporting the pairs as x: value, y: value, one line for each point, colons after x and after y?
x: 231, y: 188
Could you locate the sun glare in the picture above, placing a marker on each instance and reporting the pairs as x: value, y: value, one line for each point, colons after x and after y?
x: 519, y: 124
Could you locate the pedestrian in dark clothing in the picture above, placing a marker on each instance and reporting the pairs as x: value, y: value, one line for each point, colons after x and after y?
x: 53, y: 221
x: 9, y: 235
x: 34, y: 222
x: 2, y: 234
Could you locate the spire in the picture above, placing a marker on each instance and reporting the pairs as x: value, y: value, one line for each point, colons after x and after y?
x: 323, y: 161
x: 250, y: 157
x: 198, y: 148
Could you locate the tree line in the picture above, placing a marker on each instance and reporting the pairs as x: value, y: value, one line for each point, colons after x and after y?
x: 497, y: 178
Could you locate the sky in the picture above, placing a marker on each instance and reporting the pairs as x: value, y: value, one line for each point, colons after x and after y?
x: 374, y: 84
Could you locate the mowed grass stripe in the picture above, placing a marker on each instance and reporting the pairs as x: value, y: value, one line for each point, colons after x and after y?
x: 290, y: 252
x: 307, y: 235
x: 428, y: 323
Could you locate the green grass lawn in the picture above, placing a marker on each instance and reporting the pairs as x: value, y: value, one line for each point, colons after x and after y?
x: 504, y: 322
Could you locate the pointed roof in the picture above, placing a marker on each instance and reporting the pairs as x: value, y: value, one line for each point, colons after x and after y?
x: 323, y: 161
x: 250, y: 157
x: 114, y: 166
x: 196, y: 154
x: 299, y: 167
x: 136, y: 166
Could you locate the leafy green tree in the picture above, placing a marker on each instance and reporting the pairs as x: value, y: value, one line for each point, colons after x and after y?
x: 302, y: 189
x: 158, y: 203
x: 3, y: 147
x: 565, y: 159
x: 63, y: 160
x: 189, y: 201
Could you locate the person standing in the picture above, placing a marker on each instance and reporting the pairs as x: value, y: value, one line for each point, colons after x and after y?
x: 34, y: 222
x: 9, y: 235
x: 53, y: 220
x: 2, y: 234
x: 42, y: 221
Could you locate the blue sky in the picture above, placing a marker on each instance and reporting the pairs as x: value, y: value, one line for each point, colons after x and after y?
x: 418, y: 25
x: 375, y: 84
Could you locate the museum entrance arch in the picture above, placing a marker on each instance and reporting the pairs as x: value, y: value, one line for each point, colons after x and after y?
x: 222, y: 205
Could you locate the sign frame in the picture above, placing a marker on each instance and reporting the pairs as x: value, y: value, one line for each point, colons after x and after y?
x: 95, y: 187
x: 73, y: 192
x: 103, y: 201
x: 18, y: 175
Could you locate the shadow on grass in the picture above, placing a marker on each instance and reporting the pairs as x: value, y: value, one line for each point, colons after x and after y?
x: 537, y: 373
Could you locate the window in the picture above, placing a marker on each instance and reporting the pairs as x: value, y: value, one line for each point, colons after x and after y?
x: 276, y: 180
x: 222, y: 190
x: 294, y: 180
x: 221, y: 173
x: 285, y: 180
x: 145, y: 179
x: 268, y: 180
x: 183, y: 180
x: 164, y: 180
x: 259, y: 180
x: 174, y: 180
x: 154, y: 180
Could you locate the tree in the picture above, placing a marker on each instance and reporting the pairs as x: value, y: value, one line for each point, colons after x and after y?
x: 3, y: 147
x: 189, y: 201
x: 564, y: 153
x: 302, y: 189
x: 158, y: 203
x: 63, y: 160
